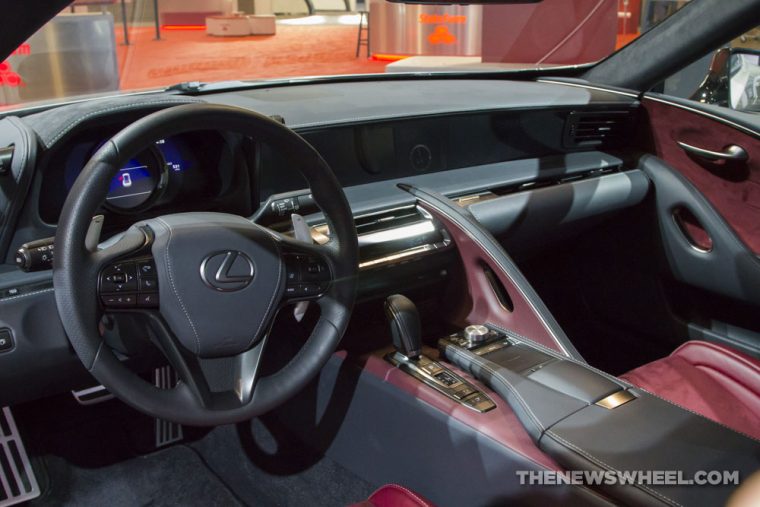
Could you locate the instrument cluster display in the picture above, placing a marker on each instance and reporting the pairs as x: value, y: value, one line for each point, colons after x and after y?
x: 172, y: 173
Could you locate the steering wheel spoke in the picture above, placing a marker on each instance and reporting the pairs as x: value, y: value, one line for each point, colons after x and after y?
x: 216, y: 383
x: 186, y: 365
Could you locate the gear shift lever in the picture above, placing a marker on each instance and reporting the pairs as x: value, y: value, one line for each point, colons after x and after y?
x: 404, y: 322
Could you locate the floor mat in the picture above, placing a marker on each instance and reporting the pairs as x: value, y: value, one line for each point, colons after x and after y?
x: 174, y: 476
x: 266, y: 466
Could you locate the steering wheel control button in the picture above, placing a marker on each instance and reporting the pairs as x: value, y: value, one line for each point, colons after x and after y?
x: 306, y: 276
x: 148, y: 285
x: 121, y: 277
x: 120, y: 301
x: 146, y: 268
x: 6, y: 340
x: 129, y: 284
x: 147, y: 300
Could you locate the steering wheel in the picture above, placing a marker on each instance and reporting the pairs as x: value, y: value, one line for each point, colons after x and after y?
x: 219, y: 279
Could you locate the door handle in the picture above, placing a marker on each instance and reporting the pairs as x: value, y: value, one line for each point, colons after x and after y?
x: 731, y: 152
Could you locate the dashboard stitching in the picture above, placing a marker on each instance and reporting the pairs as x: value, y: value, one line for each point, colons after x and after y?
x: 168, y: 263
x: 121, y: 107
x: 4, y: 300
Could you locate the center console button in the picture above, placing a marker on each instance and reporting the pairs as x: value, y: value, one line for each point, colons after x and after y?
x: 476, y: 333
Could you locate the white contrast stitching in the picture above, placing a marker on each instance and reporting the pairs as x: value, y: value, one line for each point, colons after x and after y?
x: 602, y: 464
x: 274, y: 294
x: 533, y: 307
x: 11, y: 298
x: 613, y: 378
x: 481, y: 362
x: 168, y: 263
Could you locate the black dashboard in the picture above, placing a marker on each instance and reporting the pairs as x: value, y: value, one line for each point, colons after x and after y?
x: 494, y: 150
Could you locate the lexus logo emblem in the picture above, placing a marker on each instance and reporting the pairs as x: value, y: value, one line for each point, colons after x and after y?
x: 227, y: 271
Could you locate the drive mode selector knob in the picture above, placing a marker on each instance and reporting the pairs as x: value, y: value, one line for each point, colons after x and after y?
x: 476, y: 334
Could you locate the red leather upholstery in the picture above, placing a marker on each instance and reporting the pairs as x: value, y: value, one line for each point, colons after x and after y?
x: 393, y: 495
x: 712, y: 380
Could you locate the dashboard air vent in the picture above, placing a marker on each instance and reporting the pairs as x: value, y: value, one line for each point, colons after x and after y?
x: 593, y: 128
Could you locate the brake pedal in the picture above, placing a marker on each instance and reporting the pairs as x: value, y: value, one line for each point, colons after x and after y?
x: 166, y: 432
x: 17, y: 481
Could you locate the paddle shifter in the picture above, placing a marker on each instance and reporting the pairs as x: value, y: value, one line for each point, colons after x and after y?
x: 404, y: 321
x: 406, y: 333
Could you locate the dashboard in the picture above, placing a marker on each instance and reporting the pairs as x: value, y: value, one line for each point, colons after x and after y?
x: 493, y: 150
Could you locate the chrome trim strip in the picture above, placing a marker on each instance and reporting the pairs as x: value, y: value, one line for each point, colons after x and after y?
x: 520, y: 289
x: 590, y: 87
x: 717, y: 118
x: 732, y: 152
x: 83, y: 396
x: 614, y: 400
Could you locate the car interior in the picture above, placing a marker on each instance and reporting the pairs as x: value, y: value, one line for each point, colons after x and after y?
x: 298, y: 291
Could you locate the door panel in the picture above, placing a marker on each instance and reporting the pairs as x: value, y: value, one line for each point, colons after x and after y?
x: 709, y: 217
x: 732, y: 188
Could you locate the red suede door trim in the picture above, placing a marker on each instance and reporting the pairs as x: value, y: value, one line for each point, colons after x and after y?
x: 732, y: 189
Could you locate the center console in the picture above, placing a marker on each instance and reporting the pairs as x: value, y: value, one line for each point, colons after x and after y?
x: 401, y: 414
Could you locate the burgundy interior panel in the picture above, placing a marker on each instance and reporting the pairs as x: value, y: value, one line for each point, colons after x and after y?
x: 500, y: 424
x: 712, y: 380
x: 732, y: 189
x: 481, y: 304
x: 393, y: 495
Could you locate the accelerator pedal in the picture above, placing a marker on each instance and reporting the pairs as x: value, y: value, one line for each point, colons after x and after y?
x: 17, y: 481
x: 166, y: 432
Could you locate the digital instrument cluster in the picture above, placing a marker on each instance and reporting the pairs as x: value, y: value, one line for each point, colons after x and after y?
x: 169, y: 173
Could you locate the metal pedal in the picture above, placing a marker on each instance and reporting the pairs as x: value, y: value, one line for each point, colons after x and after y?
x: 166, y: 432
x: 17, y: 481
x: 92, y: 395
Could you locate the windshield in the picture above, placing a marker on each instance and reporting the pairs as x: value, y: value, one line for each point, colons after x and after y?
x: 114, y: 46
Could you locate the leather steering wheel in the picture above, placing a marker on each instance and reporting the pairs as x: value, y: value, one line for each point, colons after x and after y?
x: 221, y: 279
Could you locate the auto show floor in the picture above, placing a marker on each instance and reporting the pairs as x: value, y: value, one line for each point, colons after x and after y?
x: 311, y: 46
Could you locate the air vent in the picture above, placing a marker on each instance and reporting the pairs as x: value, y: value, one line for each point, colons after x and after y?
x: 594, y: 128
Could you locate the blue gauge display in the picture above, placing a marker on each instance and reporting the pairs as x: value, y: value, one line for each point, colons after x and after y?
x: 132, y: 186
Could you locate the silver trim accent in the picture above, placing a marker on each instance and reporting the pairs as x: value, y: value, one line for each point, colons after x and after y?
x: 12, y: 438
x: 425, y: 370
x: 221, y: 280
x: 167, y: 432
x: 590, y: 87
x: 426, y: 225
x: 83, y: 396
x: 614, y: 400
x: 731, y: 152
